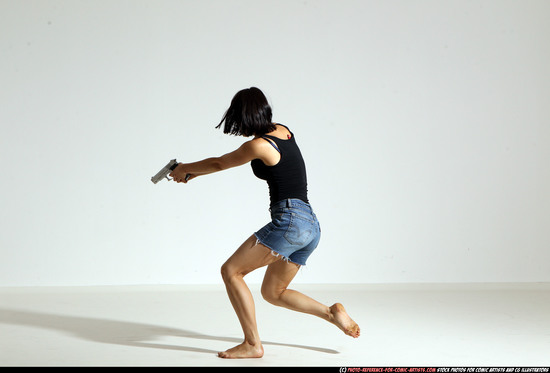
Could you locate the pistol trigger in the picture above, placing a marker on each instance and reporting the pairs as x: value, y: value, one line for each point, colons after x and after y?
x: 167, y: 178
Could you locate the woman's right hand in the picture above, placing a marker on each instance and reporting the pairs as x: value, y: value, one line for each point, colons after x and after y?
x: 180, y: 175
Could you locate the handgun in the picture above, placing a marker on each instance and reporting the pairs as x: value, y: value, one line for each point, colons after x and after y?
x: 163, y: 173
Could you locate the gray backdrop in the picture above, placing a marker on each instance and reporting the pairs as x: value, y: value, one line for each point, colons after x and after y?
x: 425, y: 126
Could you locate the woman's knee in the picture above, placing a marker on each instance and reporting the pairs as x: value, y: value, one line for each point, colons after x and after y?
x: 271, y: 294
x: 226, y: 272
x: 229, y: 272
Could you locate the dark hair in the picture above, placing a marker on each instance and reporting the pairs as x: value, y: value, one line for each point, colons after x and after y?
x: 248, y: 115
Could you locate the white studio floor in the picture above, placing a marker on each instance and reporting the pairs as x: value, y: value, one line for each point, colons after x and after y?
x: 401, y: 325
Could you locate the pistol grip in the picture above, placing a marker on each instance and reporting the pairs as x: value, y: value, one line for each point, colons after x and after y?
x: 173, y: 167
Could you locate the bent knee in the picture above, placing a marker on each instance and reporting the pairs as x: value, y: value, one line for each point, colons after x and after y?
x: 229, y: 272
x: 271, y: 295
x: 226, y: 272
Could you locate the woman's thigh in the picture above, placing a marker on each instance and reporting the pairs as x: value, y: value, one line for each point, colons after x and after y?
x: 278, y: 276
x: 249, y: 256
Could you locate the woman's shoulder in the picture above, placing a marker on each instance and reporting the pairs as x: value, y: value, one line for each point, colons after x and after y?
x: 257, y: 144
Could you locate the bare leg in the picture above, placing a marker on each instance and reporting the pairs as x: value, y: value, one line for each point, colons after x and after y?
x: 274, y: 289
x: 247, y: 258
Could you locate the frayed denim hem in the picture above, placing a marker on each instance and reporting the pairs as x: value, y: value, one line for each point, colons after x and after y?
x: 276, y: 254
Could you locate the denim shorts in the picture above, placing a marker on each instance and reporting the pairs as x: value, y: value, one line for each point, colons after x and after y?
x: 293, y: 232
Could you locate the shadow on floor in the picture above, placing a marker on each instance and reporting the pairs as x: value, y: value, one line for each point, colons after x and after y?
x: 122, y: 332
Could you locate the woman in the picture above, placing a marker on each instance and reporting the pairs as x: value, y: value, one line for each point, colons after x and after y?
x: 284, y: 244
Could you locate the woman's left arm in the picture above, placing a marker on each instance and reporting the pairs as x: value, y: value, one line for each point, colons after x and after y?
x: 245, y: 153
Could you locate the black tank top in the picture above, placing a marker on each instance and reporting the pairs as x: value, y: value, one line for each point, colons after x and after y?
x: 287, y: 179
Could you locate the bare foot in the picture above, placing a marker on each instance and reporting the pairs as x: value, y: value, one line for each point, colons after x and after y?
x: 243, y: 351
x: 341, y: 319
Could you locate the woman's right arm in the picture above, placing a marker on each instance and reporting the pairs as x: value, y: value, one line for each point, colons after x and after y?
x: 248, y: 151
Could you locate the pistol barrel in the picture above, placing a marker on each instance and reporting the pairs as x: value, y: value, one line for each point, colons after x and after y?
x: 163, y: 173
